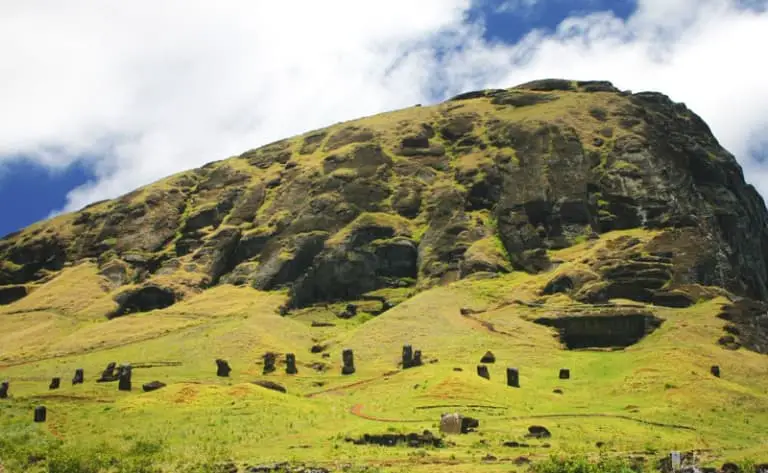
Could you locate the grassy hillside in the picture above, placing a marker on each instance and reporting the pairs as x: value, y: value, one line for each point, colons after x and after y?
x: 652, y: 397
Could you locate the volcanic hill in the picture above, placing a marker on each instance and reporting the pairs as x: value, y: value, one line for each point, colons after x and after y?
x: 558, y: 224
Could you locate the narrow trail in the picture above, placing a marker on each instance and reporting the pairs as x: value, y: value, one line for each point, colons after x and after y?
x: 351, y: 385
x: 357, y: 410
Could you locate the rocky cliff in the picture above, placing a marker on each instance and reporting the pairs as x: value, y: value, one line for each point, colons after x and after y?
x: 488, y: 182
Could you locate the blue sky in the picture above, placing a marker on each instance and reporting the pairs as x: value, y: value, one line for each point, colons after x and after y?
x: 141, y: 101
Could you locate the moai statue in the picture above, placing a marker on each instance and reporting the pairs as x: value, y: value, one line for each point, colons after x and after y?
x: 290, y: 364
x: 4, y: 389
x: 124, y: 378
x: 416, y: 358
x: 55, y: 383
x: 79, y: 376
x: 108, y: 374
x: 513, y: 378
x: 715, y: 370
x: 565, y: 374
x: 269, y: 362
x: 40, y: 414
x: 407, y: 356
x: 348, y: 357
x: 483, y: 372
x: 222, y: 368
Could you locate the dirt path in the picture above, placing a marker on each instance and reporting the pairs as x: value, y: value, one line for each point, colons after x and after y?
x: 357, y: 410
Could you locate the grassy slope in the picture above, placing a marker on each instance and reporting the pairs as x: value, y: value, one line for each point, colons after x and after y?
x: 663, y: 379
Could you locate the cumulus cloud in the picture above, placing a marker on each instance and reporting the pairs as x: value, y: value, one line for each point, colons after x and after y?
x: 141, y: 89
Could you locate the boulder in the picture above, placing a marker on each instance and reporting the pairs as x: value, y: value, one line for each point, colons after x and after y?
x: 270, y: 385
x: 152, y: 386
x: 539, y: 432
x: 489, y: 357
x: 483, y: 372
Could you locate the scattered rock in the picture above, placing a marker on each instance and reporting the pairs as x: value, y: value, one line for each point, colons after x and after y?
x: 152, y: 386
x: 317, y: 348
x: 4, y: 386
x: 489, y: 357
x: 55, y: 383
x: 558, y: 391
x: 425, y: 439
x: 538, y: 432
x: 729, y: 342
x: 482, y: 371
x: 349, y: 312
x: 730, y: 468
x: 316, y: 323
x: 271, y: 385
x: 469, y: 424
x: 521, y: 461
x: 458, y: 369
x: 715, y: 371
x: 514, y: 444
x: 489, y: 458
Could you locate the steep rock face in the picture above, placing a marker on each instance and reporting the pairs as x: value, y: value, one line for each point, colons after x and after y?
x: 489, y: 181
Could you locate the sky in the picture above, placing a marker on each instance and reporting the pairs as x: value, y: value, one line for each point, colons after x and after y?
x: 99, y: 98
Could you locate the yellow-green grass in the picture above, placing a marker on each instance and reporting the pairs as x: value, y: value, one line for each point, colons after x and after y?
x: 650, y: 398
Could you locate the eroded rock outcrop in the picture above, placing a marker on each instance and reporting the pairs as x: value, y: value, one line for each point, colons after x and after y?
x: 430, y: 197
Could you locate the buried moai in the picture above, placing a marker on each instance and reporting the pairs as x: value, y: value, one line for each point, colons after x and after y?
x: 109, y: 373
x: 222, y: 368
x: 4, y: 389
x: 513, y: 378
x: 348, y: 357
x: 269, y: 362
x: 79, y: 376
x: 407, y: 356
x: 55, y: 383
x: 290, y: 363
x: 417, y: 358
x: 715, y: 371
x: 40, y: 414
x: 565, y: 373
x: 124, y: 378
x: 482, y: 371
x: 411, y: 358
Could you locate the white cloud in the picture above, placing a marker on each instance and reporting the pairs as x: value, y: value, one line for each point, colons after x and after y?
x: 146, y: 89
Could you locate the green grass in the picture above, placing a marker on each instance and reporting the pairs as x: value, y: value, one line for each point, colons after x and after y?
x: 200, y: 419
